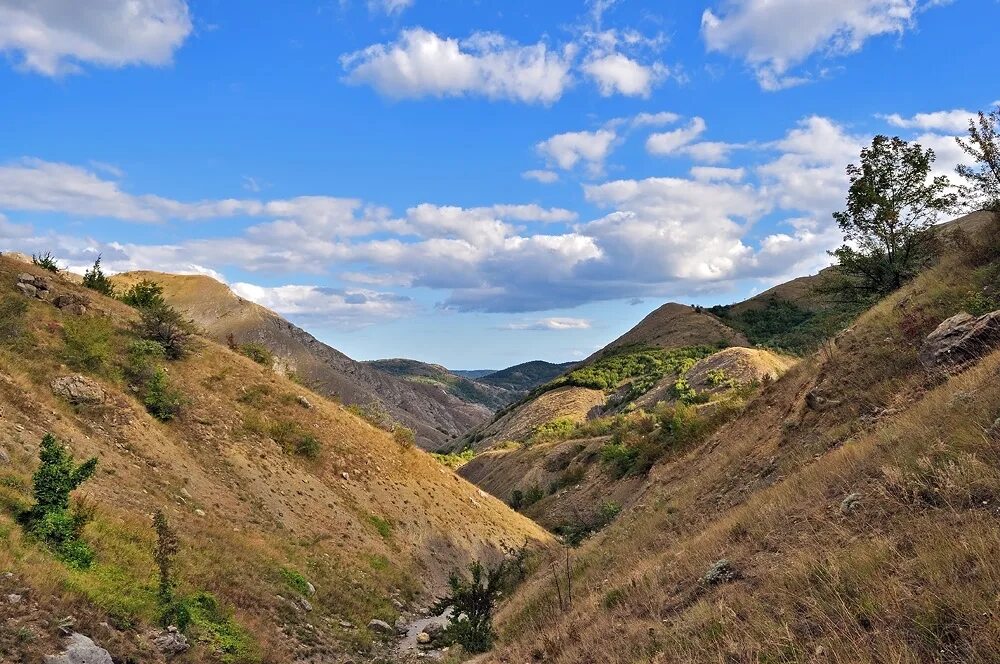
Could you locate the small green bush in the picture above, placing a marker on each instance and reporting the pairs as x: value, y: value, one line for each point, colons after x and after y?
x: 383, y: 527
x: 46, y: 261
x: 142, y: 360
x: 294, y: 580
x: 257, y: 352
x: 561, y: 428
x: 404, y: 436
x: 88, y: 343
x: 455, y: 460
x: 619, y: 457
x: 209, y: 623
x: 50, y: 519
x: 308, y: 446
x: 293, y: 439
x: 161, y: 400
x: 144, y: 295
x: 95, y: 279
x: 166, y: 326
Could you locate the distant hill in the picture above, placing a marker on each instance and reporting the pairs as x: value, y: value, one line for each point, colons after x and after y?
x: 436, y: 416
x: 473, y: 373
x: 472, y: 391
x: 525, y: 377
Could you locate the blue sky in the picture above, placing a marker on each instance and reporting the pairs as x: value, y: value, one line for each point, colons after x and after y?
x: 470, y: 183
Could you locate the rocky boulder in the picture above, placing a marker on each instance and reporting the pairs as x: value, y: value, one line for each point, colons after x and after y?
x: 961, y: 340
x: 33, y: 286
x: 381, y: 627
x: 170, y: 641
x: 81, y: 650
x: 78, y: 390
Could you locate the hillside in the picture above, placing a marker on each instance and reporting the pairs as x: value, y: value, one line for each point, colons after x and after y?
x: 471, y: 391
x: 522, y: 378
x: 847, y: 513
x: 301, y: 520
x: 435, y: 414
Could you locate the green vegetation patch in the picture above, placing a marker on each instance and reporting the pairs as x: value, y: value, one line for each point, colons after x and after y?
x: 455, y: 460
x: 643, y: 368
x: 785, y: 326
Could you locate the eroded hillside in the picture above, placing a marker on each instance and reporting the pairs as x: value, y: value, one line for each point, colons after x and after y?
x: 302, y: 521
x: 436, y: 415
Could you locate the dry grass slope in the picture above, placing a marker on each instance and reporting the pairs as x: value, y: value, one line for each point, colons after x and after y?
x: 366, y: 521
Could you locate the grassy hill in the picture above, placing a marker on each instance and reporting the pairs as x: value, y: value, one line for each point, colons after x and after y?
x: 522, y: 378
x: 847, y: 513
x: 272, y: 490
x: 437, y: 416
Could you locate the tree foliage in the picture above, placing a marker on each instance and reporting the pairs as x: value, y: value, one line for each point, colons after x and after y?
x: 892, y: 203
x: 50, y: 519
x: 144, y: 295
x: 166, y: 326
x: 46, y: 261
x: 983, y: 145
x: 95, y: 279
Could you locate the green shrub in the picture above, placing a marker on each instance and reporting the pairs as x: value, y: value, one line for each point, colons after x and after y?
x: 142, y: 360
x: 404, y: 436
x: 13, y: 310
x: 473, y: 600
x: 257, y: 352
x: 561, y: 428
x: 161, y: 400
x: 166, y: 326
x: 293, y: 439
x: 209, y: 623
x: 144, y: 295
x: 383, y: 527
x: 50, y: 519
x: 87, y: 343
x: 619, y: 457
x: 294, y: 580
x: 95, y: 279
x: 46, y: 261
x: 375, y: 413
x: 167, y: 548
x: 455, y: 460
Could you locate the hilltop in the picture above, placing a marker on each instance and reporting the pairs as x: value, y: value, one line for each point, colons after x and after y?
x: 472, y: 391
x: 522, y: 378
x: 436, y: 415
x: 300, y: 520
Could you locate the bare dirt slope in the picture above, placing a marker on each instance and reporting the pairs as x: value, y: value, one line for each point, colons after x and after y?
x: 435, y: 414
x: 373, y: 524
x: 518, y: 424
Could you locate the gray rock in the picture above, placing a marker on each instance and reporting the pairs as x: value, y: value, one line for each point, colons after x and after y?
x: 819, y: 403
x: 304, y: 604
x: 850, y: 503
x: 4, y: 457
x: 13, y: 598
x: 78, y: 390
x: 28, y: 290
x: 304, y: 402
x: 381, y: 627
x: 81, y: 650
x: 170, y: 641
x: 960, y: 341
x: 423, y: 638
x: 311, y: 588
x: 722, y: 571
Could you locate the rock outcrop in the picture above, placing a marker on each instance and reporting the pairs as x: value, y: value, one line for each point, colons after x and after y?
x: 961, y: 340
x: 81, y: 649
x: 78, y: 390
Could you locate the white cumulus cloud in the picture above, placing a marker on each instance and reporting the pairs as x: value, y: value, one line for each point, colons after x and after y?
x: 57, y: 37
x: 571, y: 148
x: 956, y: 121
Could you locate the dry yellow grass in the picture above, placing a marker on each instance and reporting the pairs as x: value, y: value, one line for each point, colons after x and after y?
x: 909, y: 575
x: 364, y: 520
x: 574, y: 403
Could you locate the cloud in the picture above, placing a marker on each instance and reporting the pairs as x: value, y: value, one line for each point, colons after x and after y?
x: 351, y: 307
x: 58, y: 37
x: 390, y: 7
x: 422, y: 64
x: 773, y: 36
x: 809, y: 175
x: 616, y: 73
x: 715, y: 173
x: 543, y: 176
x: 956, y: 121
x: 654, y: 119
x: 571, y: 148
x: 551, y: 324
x: 670, y: 142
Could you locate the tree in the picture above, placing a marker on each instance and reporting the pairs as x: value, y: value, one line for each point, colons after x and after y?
x: 50, y: 519
x: 473, y: 600
x: 892, y: 203
x: 166, y: 326
x: 983, y: 146
x: 95, y: 279
x: 144, y: 295
x: 46, y: 261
